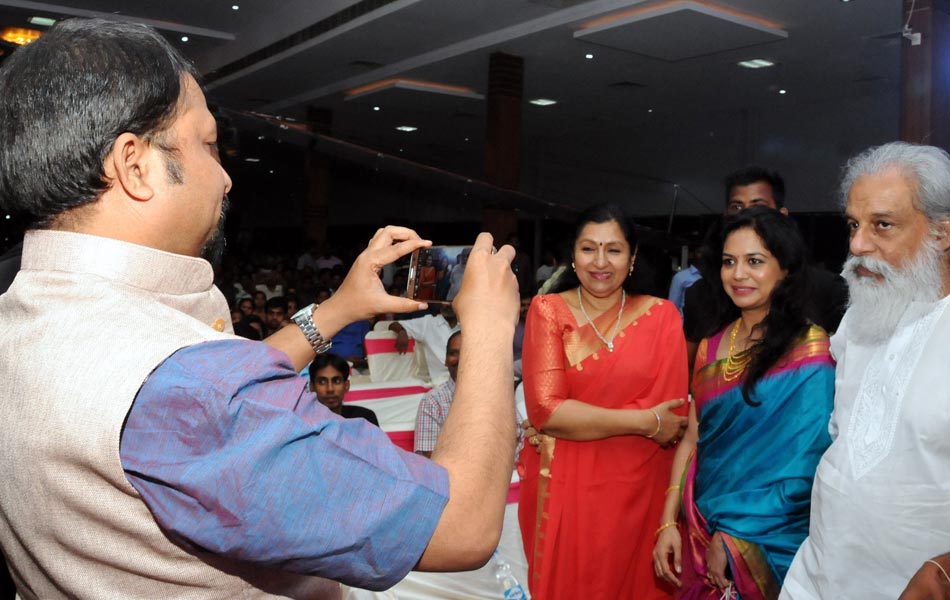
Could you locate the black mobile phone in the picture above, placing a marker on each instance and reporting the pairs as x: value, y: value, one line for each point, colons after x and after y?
x: 435, y: 273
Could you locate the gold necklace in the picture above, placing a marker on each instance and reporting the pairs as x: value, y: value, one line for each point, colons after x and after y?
x: 736, y: 362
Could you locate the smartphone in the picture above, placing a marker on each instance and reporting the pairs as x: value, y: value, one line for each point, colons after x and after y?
x: 435, y: 273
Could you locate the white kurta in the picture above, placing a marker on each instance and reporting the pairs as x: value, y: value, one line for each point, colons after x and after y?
x: 881, y: 499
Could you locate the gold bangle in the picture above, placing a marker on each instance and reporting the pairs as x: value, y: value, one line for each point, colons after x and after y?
x: 939, y: 566
x: 658, y: 425
x: 665, y: 526
x: 671, y: 488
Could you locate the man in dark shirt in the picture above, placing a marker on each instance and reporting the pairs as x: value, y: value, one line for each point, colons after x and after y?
x: 330, y: 381
x: 753, y: 186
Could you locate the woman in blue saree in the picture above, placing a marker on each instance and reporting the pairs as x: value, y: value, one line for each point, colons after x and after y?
x: 763, y: 386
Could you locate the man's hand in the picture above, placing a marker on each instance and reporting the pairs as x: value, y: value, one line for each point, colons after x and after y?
x: 489, y: 292
x: 930, y: 582
x: 362, y: 294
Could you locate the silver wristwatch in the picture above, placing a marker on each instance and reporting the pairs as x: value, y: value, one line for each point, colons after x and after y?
x: 304, y: 319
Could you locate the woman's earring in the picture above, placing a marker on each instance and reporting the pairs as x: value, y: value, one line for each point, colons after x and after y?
x: 573, y: 268
x: 629, y: 273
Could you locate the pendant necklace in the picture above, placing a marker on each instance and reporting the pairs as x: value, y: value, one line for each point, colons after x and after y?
x: 610, y: 343
x: 736, y: 362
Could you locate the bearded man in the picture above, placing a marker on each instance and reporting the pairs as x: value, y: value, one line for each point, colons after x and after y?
x: 880, y: 523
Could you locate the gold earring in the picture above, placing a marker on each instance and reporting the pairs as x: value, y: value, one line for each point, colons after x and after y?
x: 573, y: 268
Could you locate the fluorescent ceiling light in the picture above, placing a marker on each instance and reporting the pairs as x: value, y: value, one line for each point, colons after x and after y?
x: 542, y: 102
x: 756, y: 63
x: 251, y: 159
x: 407, y: 128
x: 42, y: 21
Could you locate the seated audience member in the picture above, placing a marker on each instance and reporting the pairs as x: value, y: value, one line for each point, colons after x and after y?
x: 321, y: 294
x: 272, y: 288
x: 434, y: 406
x: 246, y: 306
x: 547, y: 268
x: 276, y: 314
x: 330, y: 381
x: 432, y: 331
x: 308, y: 260
x: 327, y: 260
x: 348, y: 343
x: 250, y: 327
x: 260, y: 300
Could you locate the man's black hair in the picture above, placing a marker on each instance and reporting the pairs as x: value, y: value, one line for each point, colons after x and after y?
x: 753, y: 174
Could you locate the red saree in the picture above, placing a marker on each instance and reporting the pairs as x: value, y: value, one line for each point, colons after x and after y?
x: 588, y: 510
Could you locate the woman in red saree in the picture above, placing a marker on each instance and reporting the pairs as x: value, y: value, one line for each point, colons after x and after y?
x: 605, y: 374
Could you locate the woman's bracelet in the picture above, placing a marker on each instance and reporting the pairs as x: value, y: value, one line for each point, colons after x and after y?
x: 672, y: 488
x: 658, y: 425
x: 942, y: 570
x: 664, y: 526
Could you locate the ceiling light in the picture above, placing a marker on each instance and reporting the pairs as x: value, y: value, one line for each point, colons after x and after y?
x: 376, y: 108
x: 19, y: 35
x: 649, y: 110
x: 588, y: 56
x: 756, y: 63
x: 407, y: 128
x: 235, y: 7
x: 542, y: 102
x: 783, y: 92
x: 42, y: 21
x: 252, y: 160
x: 184, y: 38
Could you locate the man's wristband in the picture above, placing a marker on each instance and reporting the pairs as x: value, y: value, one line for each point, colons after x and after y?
x: 304, y: 319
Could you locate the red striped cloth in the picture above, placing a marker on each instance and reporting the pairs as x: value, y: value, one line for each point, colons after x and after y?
x: 386, y: 345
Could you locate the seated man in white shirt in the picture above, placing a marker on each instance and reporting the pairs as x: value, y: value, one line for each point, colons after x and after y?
x: 433, y: 332
x: 880, y: 524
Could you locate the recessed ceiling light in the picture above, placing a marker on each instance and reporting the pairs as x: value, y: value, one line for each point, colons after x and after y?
x: 588, y: 56
x: 542, y: 102
x: 42, y: 21
x: 466, y: 139
x: 649, y: 110
x: 251, y: 159
x: 184, y: 38
x: 235, y: 7
x: 756, y: 63
x: 407, y: 128
x: 783, y: 92
x: 376, y: 108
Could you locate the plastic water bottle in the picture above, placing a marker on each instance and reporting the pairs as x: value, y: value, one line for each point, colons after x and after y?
x: 511, y: 589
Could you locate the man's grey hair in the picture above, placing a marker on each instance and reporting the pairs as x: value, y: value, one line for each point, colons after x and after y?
x: 926, y: 168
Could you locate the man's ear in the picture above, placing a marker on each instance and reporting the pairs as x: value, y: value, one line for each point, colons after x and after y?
x: 346, y: 386
x: 943, y: 234
x: 784, y: 211
x: 129, y: 164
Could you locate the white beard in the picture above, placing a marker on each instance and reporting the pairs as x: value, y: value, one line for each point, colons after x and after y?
x: 876, y: 307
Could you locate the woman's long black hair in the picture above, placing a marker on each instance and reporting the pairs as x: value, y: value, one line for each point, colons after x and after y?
x: 786, y: 317
x: 601, y: 213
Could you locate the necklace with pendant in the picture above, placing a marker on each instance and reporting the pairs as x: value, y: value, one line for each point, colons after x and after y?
x: 736, y: 362
x: 608, y: 343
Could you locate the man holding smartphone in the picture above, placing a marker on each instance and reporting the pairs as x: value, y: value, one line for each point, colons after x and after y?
x: 170, y: 458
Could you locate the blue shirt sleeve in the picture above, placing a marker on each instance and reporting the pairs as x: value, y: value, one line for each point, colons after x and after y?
x: 233, y: 455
